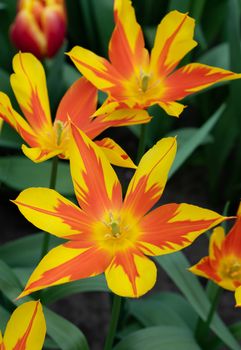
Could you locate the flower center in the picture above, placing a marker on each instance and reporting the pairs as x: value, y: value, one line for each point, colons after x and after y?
x: 114, y: 230
x: 232, y: 270
x: 59, y: 127
x: 144, y: 82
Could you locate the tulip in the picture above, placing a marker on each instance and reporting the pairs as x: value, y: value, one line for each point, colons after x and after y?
x: 39, y: 27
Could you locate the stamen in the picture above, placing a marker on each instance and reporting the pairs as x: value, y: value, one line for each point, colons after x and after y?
x: 59, y: 129
x: 144, y: 82
x: 115, y: 229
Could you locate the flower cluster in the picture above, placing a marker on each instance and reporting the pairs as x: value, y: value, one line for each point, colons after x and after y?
x: 107, y: 233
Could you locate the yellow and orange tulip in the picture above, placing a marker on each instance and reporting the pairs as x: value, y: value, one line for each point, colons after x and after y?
x: 137, y: 79
x: 26, y: 328
x: 47, y: 139
x: 39, y: 27
x: 223, y: 265
x: 108, y: 234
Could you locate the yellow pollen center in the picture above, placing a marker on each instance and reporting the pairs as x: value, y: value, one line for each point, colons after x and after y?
x: 115, y: 229
x: 144, y: 82
x: 232, y: 270
x: 59, y: 129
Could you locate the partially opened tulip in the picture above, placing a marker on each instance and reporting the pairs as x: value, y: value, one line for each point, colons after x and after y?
x: 48, y: 139
x: 108, y: 234
x: 26, y: 328
x: 223, y: 265
x: 39, y: 27
x: 134, y: 77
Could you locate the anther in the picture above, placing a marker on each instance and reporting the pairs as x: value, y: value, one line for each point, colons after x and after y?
x: 144, y: 82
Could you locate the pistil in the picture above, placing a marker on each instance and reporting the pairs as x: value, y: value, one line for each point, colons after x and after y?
x: 144, y: 82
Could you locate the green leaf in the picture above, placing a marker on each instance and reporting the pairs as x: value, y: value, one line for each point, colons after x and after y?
x: 20, y: 173
x: 9, y: 283
x: 176, y: 266
x: 154, y: 313
x: 196, y: 140
x: 71, y: 74
x: 182, y: 6
x: 153, y: 338
x: 26, y: 252
x: 9, y: 138
x: 217, y: 56
x: 180, y: 305
x: 218, y: 153
x: 93, y: 284
x: 185, y: 134
x: 55, y: 81
x: 4, y: 317
x: 235, y: 329
x: 65, y: 334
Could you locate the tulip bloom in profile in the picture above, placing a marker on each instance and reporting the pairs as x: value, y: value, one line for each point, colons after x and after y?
x: 47, y: 139
x: 26, y: 328
x: 223, y: 265
x: 108, y: 234
x: 137, y: 79
x: 39, y: 27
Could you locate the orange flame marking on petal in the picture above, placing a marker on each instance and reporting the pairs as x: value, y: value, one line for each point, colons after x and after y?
x: 89, y: 263
x: 96, y: 201
x: 184, y: 81
x: 36, y: 117
x: 163, y: 69
x: 22, y: 343
x: 126, y: 260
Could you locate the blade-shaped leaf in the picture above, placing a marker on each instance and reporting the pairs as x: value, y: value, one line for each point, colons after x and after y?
x: 180, y: 305
x: 93, y: 284
x: 196, y: 140
x: 20, y: 173
x: 26, y: 251
x: 153, y: 338
x: 65, y: 334
x: 154, y: 313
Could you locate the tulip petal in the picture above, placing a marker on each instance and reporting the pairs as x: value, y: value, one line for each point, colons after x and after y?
x: 51, y: 212
x: 38, y: 155
x: 29, y: 85
x: 172, y: 227
x: 16, y: 121
x: 150, y: 178
x: 232, y: 242
x: 127, y: 48
x: 205, y: 269
x: 26, y: 328
x: 54, y: 27
x: 174, y: 39
x: 96, y: 69
x: 131, y: 274
x: 79, y: 104
x: 66, y: 263
x: 115, y: 153
x: 96, y: 185
x: 216, y: 241
x: 172, y: 108
x: 193, y: 78
x: 107, y: 116
x: 26, y: 34
x: 238, y: 297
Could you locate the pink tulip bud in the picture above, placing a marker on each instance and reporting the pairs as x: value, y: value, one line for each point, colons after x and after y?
x: 39, y: 26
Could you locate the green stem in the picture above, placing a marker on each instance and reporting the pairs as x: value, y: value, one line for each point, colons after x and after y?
x: 52, y: 184
x: 142, y: 143
x: 114, y: 322
x: 203, y: 326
